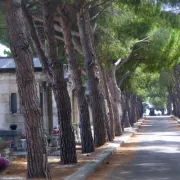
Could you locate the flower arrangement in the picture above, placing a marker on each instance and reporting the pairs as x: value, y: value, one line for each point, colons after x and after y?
x: 23, y: 137
x: 10, y: 142
x: 55, y: 131
x: 4, y: 164
x: 55, y: 137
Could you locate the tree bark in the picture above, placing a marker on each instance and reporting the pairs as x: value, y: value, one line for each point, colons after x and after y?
x: 175, y: 103
x: 176, y: 90
x: 125, y: 118
x: 132, y: 112
x: 109, y: 104
x: 36, y: 148
x: 104, y: 105
x: 59, y: 87
x: 116, y: 101
x: 139, y: 108
x: 169, y: 101
x: 53, y: 68
x: 85, y: 127
x: 95, y: 96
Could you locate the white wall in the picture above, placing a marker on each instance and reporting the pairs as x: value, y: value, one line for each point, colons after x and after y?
x: 8, y: 85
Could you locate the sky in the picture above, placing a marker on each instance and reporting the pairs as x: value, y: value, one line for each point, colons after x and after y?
x: 175, y: 9
x: 2, y: 48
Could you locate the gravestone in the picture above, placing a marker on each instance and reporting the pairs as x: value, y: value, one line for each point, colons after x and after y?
x: 11, y: 135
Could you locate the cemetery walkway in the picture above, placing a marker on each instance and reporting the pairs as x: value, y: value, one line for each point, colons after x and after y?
x: 153, y: 153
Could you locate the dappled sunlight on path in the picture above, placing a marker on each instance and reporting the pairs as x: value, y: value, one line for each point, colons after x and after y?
x: 151, y: 154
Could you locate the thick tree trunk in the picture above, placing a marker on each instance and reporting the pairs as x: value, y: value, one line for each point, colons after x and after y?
x: 106, y: 110
x: 116, y: 101
x: 54, y: 69
x: 132, y: 112
x: 36, y: 148
x: 95, y: 96
x: 59, y: 87
x: 123, y: 110
x: 139, y: 108
x: 169, y: 101
x: 85, y: 127
x: 176, y: 104
x: 176, y: 91
x: 125, y: 119
x: 107, y: 94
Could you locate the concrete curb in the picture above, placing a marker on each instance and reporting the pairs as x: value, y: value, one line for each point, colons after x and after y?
x: 176, y: 118
x: 83, y: 172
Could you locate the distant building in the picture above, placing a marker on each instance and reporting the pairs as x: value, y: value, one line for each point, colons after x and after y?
x: 10, y: 106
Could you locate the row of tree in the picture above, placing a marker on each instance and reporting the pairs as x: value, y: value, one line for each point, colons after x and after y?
x: 72, y: 23
x: 111, y: 43
x: 157, y: 79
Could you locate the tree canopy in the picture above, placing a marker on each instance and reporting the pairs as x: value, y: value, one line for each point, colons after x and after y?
x: 144, y: 32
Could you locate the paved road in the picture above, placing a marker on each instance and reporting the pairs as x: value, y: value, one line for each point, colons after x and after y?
x: 152, y: 154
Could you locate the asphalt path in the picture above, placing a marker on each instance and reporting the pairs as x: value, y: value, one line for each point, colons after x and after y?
x: 153, y: 153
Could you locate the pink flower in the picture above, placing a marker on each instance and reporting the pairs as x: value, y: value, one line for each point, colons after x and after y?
x: 3, y: 163
x: 55, y: 131
x: 10, y: 141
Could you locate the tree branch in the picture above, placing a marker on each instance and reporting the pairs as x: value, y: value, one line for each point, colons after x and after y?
x: 59, y: 29
x: 146, y: 39
x: 36, y: 42
x: 83, y: 71
x: 77, y: 44
x: 37, y: 18
x: 102, y: 3
x: 128, y: 73
x: 131, y: 53
x: 117, y: 62
x: 100, y: 11
x: 59, y: 38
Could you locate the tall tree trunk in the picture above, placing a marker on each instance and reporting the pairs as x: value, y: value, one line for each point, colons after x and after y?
x: 116, y: 101
x: 139, y: 108
x: 54, y: 69
x: 36, y: 148
x: 126, y: 121
x: 104, y: 104
x: 176, y: 104
x: 59, y: 86
x: 85, y: 127
x: 109, y: 104
x: 96, y: 99
x: 132, y: 110
x: 176, y: 90
x: 125, y: 118
x: 169, y: 101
